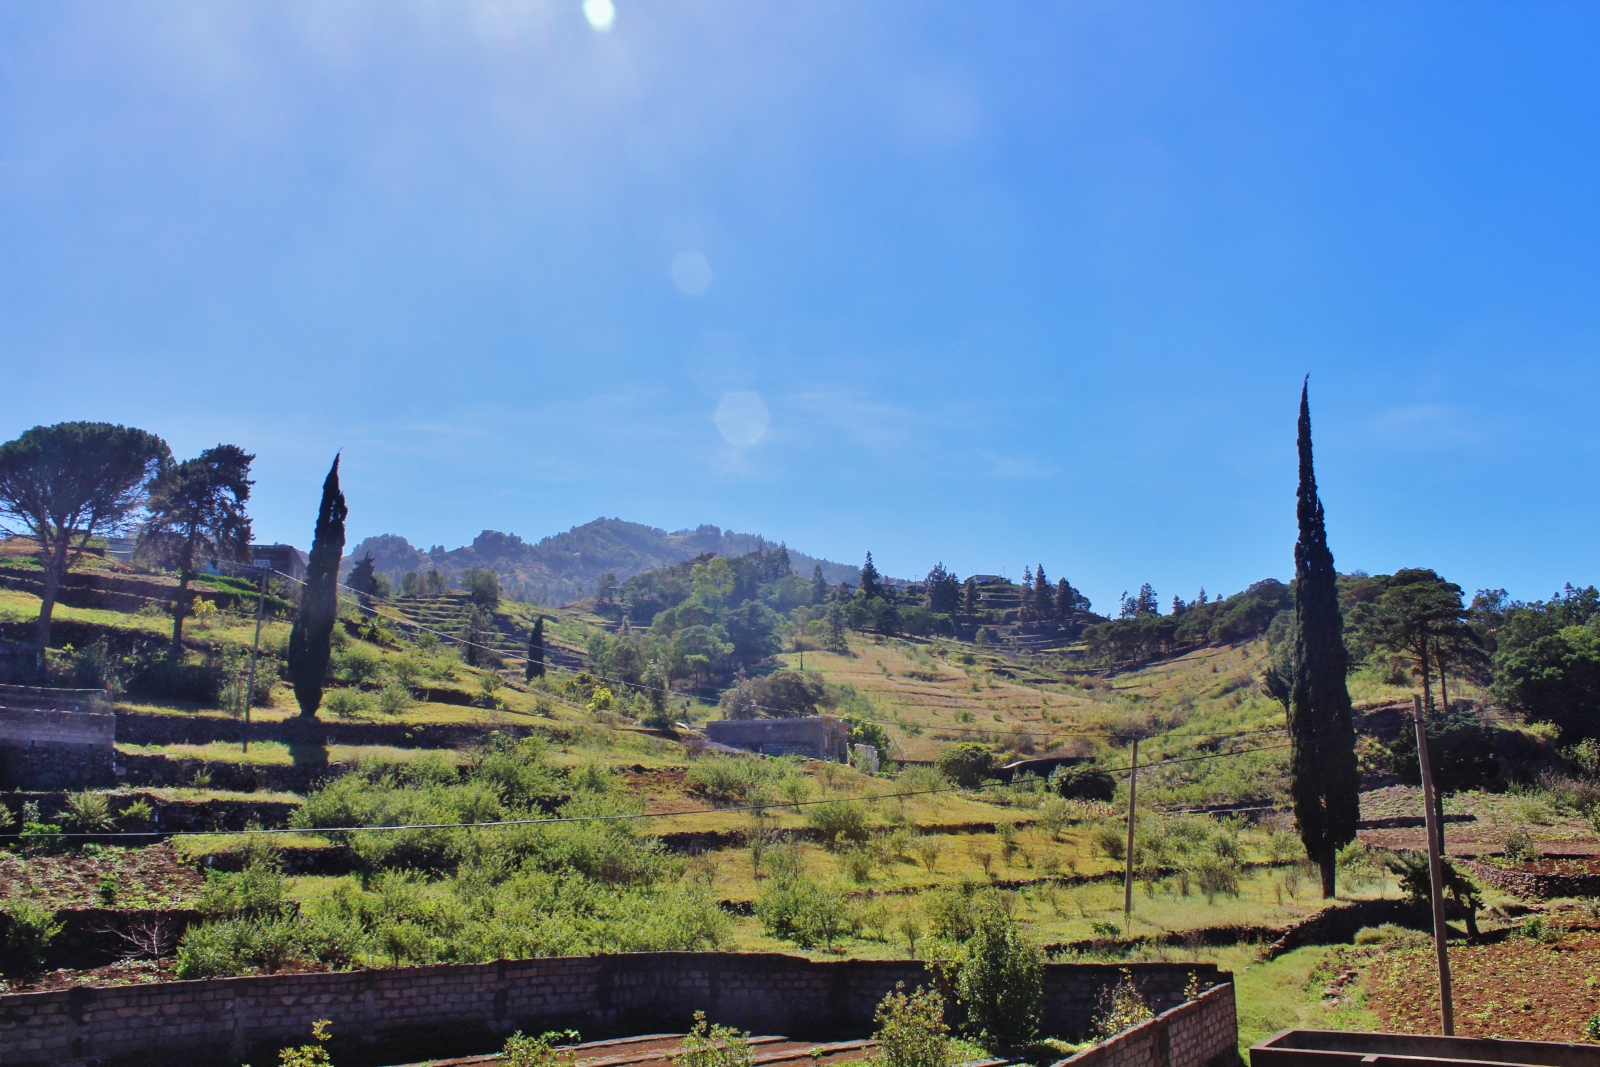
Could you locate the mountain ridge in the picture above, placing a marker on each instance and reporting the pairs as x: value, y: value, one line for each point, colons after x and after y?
x: 564, y: 566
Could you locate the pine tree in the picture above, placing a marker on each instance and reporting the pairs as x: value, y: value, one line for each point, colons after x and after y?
x: 1066, y: 599
x: 819, y: 585
x: 310, y: 641
x: 969, y: 597
x: 1025, y: 606
x: 536, y: 650
x: 1148, y: 606
x: 871, y: 585
x: 1323, y: 776
x: 1044, y: 602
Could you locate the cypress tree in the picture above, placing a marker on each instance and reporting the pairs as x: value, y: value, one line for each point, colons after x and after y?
x: 819, y: 585
x: 1323, y: 777
x: 1045, y: 602
x: 310, y: 642
x: 536, y: 650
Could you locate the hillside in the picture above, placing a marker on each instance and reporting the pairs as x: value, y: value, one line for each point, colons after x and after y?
x: 565, y: 566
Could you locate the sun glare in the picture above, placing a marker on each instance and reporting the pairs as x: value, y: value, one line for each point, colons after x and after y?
x: 600, y: 13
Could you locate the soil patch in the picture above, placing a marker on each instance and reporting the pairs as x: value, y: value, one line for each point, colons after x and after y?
x: 1519, y: 988
x: 150, y: 877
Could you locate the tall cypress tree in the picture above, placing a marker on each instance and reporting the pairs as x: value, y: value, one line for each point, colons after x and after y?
x: 310, y: 642
x: 1323, y: 777
x: 870, y: 585
x: 536, y: 650
x: 819, y: 585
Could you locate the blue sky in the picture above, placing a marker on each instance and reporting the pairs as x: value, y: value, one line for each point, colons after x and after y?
x: 994, y: 284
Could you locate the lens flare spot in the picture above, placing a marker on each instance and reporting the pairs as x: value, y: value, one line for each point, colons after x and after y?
x: 691, y: 273
x: 742, y: 419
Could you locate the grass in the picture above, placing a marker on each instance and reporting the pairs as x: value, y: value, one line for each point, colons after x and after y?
x: 1287, y: 993
x: 276, y: 753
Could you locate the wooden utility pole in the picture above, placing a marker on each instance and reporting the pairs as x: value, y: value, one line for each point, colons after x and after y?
x: 255, y: 654
x: 1435, y: 874
x: 1444, y: 703
x: 1127, y: 859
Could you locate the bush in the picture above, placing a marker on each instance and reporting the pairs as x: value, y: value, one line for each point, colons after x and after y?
x: 394, y: 698
x: 29, y: 931
x: 1001, y: 984
x: 1084, y: 783
x: 136, y: 816
x: 1109, y: 838
x: 950, y: 913
x: 710, y: 1045
x: 356, y: 664
x: 834, y: 820
x: 967, y: 764
x: 911, y: 1030
x: 521, y: 1050
x: 804, y: 911
x: 309, y: 1055
x: 1217, y: 876
x: 87, y: 813
x: 1519, y: 847
x: 346, y: 703
x: 1121, y: 1008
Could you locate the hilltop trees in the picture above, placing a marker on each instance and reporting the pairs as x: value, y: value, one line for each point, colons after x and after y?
x: 1546, y: 662
x: 311, y: 638
x: 1420, y: 616
x: 1323, y: 777
x: 944, y: 590
x: 197, y: 510
x: 366, y: 581
x: 72, y: 481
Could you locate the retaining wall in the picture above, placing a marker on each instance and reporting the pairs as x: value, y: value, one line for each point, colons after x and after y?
x: 1531, y: 885
x: 47, y: 747
x: 1200, y: 1033
x: 406, y: 1014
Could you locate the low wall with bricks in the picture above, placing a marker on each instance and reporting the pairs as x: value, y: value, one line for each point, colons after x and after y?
x: 406, y: 1014
x: 1200, y: 1033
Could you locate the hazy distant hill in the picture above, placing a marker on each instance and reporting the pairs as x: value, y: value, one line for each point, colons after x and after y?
x: 565, y: 566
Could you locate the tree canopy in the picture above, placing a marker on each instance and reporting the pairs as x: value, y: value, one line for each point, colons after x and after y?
x: 68, y: 482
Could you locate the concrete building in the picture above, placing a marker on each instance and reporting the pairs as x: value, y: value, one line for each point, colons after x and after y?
x: 285, y: 559
x: 818, y: 737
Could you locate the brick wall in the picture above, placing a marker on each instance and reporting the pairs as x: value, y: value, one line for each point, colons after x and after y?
x: 1199, y: 1033
x: 406, y: 1014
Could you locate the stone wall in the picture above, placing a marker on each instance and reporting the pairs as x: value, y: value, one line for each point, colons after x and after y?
x: 51, y: 748
x: 407, y: 1014
x: 1531, y: 885
x: 1200, y: 1033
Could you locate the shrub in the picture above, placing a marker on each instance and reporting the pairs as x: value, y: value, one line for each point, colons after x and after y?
x: 927, y: 850
x: 950, y: 913
x: 858, y: 864
x: 87, y: 813
x: 911, y: 1030
x: 967, y: 764
x: 711, y: 1045
x: 1109, y: 838
x: 136, y: 815
x: 1001, y: 984
x: 1519, y: 847
x: 346, y: 703
x: 1216, y: 876
x: 1121, y: 1008
x: 356, y: 664
x: 1084, y: 783
x: 804, y: 911
x: 394, y: 698
x: 543, y: 1051
x: 836, y: 819
x: 29, y: 931
x: 309, y: 1055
